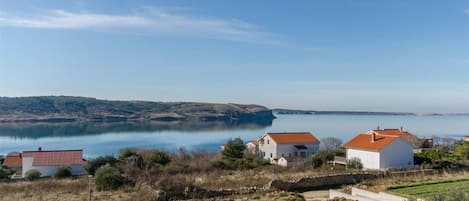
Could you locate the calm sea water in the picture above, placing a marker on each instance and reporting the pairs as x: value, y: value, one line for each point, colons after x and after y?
x: 102, y: 139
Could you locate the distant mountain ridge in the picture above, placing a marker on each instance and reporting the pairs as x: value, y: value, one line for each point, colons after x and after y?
x: 318, y: 112
x: 76, y: 109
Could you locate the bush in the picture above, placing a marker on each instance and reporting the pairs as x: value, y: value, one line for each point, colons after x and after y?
x: 158, y: 157
x: 32, y: 174
x: 322, y: 157
x: 354, y: 163
x: 63, y: 172
x: 5, y: 172
x: 125, y: 153
x: 234, y: 149
x: 93, y: 164
x: 108, y: 178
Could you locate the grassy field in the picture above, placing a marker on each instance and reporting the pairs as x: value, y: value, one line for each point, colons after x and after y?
x: 424, y: 190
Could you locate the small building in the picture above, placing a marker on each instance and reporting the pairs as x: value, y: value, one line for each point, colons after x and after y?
x: 466, y: 139
x: 380, y: 151
x: 47, y: 162
x: 274, y: 146
x: 13, y: 161
x: 290, y: 161
x: 252, y: 147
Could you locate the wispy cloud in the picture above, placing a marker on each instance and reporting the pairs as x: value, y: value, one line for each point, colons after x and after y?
x: 149, y: 20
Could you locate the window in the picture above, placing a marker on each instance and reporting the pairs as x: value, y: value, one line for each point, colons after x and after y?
x: 296, y: 153
x: 303, y: 154
x: 268, y: 141
x: 283, y: 155
x: 289, y: 154
x: 270, y: 155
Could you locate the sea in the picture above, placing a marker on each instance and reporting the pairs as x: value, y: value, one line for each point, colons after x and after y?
x: 98, y: 139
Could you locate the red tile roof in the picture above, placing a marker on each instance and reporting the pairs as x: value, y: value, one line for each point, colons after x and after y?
x: 13, y: 160
x: 397, y: 132
x: 364, y: 141
x: 297, y: 137
x: 56, y: 157
x: 255, y: 142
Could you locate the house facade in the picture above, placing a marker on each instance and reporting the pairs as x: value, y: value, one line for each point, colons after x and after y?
x: 274, y: 146
x: 13, y: 161
x: 47, y: 162
x: 252, y: 147
x: 379, y: 151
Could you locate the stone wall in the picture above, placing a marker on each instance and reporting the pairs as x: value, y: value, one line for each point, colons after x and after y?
x: 320, y: 182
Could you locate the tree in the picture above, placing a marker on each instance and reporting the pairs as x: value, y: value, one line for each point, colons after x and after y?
x: 93, y: 164
x: 234, y: 149
x: 5, y: 172
x: 63, y: 172
x: 462, y: 150
x: 158, y: 157
x: 322, y: 157
x: 108, y: 178
x: 332, y: 143
x: 125, y: 153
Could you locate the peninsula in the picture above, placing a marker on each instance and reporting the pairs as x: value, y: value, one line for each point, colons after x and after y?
x: 81, y: 109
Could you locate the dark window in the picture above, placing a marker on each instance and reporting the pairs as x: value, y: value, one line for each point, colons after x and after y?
x: 289, y: 154
x: 296, y: 153
x: 270, y: 155
x: 268, y: 141
x: 303, y: 154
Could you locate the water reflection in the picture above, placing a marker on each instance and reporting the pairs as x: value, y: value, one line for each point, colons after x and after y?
x: 41, y: 130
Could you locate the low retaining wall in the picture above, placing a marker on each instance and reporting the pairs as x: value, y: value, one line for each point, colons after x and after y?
x: 320, y: 182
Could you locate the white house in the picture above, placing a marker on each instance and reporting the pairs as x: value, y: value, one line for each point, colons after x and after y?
x: 380, y: 151
x: 274, y: 146
x: 252, y: 147
x: 47, y: 162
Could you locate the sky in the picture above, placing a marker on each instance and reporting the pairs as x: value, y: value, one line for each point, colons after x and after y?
x: 409, y: 56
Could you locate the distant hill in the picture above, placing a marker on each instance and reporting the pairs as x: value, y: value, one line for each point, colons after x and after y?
x: 76, y: 109
x: 317, y: 112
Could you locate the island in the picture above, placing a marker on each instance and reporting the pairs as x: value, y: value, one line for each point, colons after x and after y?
x: 61, y: 109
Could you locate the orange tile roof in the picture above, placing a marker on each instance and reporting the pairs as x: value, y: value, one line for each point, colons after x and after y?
x: 297, y: 137
x: 13, y: 161
x: 364, y: 141
x: 255, y: 142
x: 56, y: 157
x: 397, y: 132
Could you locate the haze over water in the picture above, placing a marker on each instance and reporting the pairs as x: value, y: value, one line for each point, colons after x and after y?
x: 103, y: 142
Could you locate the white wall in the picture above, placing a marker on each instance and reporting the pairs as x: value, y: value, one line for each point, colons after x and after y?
x: 47, y: 171
x: 398, y: 154
x: 27, y: 163
x: 369, y: 159
x: 269, y: 147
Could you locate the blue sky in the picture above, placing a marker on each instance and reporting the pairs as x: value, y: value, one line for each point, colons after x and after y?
x: 325, y: 55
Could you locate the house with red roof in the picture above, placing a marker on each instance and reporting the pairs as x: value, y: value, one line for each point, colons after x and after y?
x: 252, y: 146
x: 13, y: 161
x: 47, y: 162
x: 287, y: 145
x: 381, y: 149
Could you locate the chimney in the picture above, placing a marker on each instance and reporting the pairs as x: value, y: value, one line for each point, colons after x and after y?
x: 373, y: 137
x: 21, y: 155
x: 402, y: 129
x: 39, y: 149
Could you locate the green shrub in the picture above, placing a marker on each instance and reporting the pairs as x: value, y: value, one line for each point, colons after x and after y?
x: 32, y: 174
x: 125, y: 153
x: 63, y: 172
x: 5, y: 172
x: 158, y: 157
x: 322, y: 157
x: 354, y: 163
x: 93, y: 164
x: 234, y: 149
x: 108, y: 178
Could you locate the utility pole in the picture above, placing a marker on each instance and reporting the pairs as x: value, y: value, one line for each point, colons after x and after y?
x: 90, y: 177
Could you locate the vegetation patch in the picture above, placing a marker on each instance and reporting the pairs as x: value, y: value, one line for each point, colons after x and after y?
x: 429, y: 189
